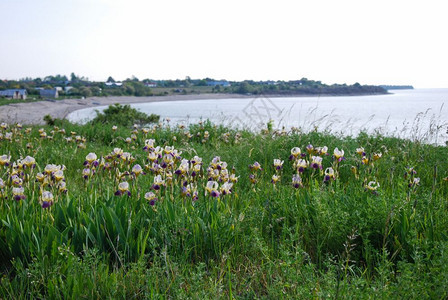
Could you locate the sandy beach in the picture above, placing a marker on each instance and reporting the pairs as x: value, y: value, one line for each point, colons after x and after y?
x: 32, y: 113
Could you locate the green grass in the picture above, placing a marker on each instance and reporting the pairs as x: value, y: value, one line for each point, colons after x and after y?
x: 6, y: 101
x: 334, y: 239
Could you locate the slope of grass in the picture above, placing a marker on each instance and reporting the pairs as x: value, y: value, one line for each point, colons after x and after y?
x: 376, y: 227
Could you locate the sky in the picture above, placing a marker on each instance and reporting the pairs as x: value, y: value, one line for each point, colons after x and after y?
x: 346, y: 41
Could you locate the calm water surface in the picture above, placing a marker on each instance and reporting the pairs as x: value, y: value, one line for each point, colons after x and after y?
x: 419, y: 114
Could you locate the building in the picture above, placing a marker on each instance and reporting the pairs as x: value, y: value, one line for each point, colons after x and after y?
x: 151, y: 84
x: 113, y: 84
x: 53, y: 93
x: 220, y: 82
x: 14, y: 94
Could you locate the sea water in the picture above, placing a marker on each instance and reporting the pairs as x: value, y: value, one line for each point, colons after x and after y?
x: 418, y: 114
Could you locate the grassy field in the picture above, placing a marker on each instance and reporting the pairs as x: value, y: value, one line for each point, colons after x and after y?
x: 208, y: 212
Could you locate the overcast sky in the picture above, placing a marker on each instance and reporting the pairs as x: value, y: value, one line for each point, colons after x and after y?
x: 345, y: 41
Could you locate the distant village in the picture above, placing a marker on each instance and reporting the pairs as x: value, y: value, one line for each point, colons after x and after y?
x: 60, y: 86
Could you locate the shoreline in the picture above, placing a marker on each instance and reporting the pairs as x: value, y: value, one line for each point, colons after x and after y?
x: 32, y: 113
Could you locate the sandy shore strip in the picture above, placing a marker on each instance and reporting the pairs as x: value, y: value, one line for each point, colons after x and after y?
x: 32, y: 113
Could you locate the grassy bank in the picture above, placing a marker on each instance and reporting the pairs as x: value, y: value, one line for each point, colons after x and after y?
x: 215, y: 213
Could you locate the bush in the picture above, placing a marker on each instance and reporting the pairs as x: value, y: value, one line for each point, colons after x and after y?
x: 123, y: 115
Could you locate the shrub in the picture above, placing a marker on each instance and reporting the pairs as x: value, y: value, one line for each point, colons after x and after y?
x: 123, y: 115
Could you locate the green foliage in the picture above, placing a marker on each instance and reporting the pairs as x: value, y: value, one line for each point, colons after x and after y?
x: 123, y: 115
x: 326, y: 239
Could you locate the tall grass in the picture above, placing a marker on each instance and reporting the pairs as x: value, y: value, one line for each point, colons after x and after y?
x: 375, y: 228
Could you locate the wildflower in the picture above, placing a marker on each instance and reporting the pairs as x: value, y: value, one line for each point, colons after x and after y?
x: 183, y: 167
x: 252, y: 179
x: 212, y: 173
x: 278, y: 164
x: 410, y: 171
x: 354, y: 170
x: 29, y: 161
x: 149, y: 144
x: 186, y: 190
x: 301, y: 165
x: 310, y: 149
x: 5, y: 160
x: 215, y: 162
x: 62, y: 187
x: 58, y: 175
x: 18, y: 193
x: 4, y: 126
x: 275, y: 178
x: 372, y: 186
x: 415, y: 181
x: 176, y: 154
x: 117, y: 152
x: 365, y: 160
x: 196, y: 160
x: 90, y: 158
x: 151, y: 197
x: 329, y: 174
x: 212, y: 188
x: 152, y: 156
x: 226, y: 188
x: 338, y: 154
x: 377, y: 156
x: 127, y: 157
x: 86, y: 173
x: 42, y: 133
x: 195, y: 170
x: 233, y: 178
x: 158, y: 182
x: 361, y: 151
x: 316, y: 162
x: 255, y: 166
x: 46, y: 199
x: 168, y: 149
x: 137, y: 170
x: 16, y: 180
x: 167, y: 160
x: 297, y: 181
x: 40, y: 177
x: 123, y: 187
x: 322, y: 150
x: 128, y: 140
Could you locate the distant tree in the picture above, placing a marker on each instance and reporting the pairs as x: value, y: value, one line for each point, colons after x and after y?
x: 74, y: 78
x: 128, y: 89
x: 201, y: 82
x: 110, y: 79
x: 244, y: 88
x: 96, y: 91
x: 85, y: 92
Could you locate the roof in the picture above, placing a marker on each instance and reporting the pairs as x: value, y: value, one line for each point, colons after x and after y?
x: 48, y: 93
x: 113, y: 83
x: 12, y: 92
